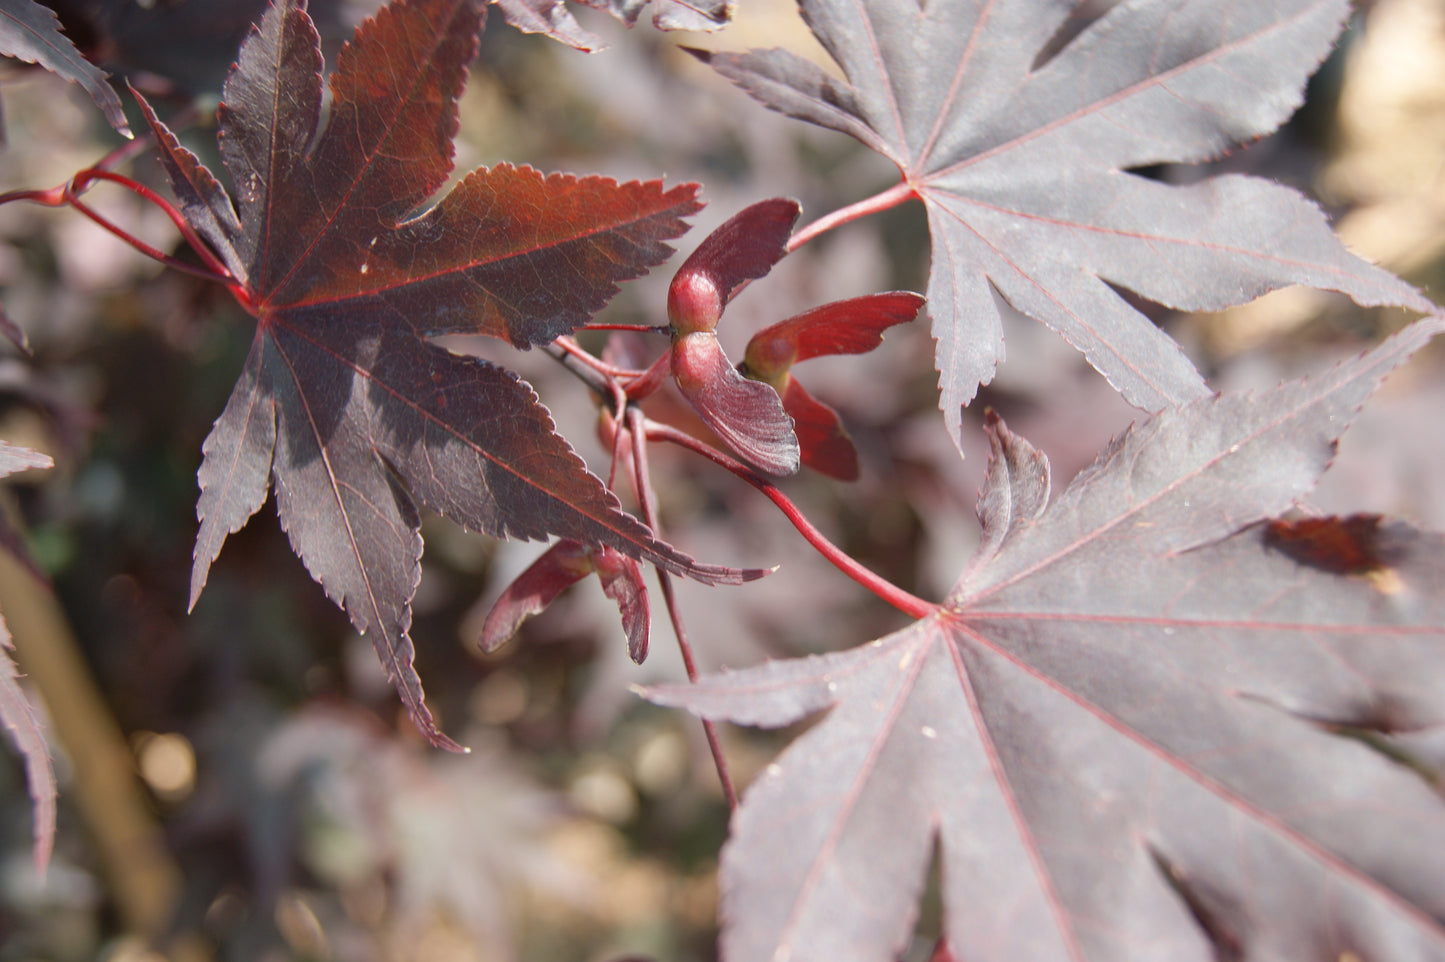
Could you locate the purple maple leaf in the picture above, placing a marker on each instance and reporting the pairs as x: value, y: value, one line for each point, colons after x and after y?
x: 1144, y: 725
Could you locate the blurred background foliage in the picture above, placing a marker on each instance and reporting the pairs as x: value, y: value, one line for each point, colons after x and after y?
x: 239, y: 783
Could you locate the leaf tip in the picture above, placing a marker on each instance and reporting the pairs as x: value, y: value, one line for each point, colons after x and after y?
x: 438, y: 739
x: 198, y: 584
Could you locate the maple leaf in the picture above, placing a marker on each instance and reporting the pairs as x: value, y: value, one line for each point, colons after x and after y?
x: 1025, y: 170
x: 179, y: 50
x: 31, y: 32
x: 1136, y: 729
x: 344, y: 405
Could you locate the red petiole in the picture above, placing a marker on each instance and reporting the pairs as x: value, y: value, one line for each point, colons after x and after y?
x: 70, y: 194
x: 889, y: 198
x: 905, y: 602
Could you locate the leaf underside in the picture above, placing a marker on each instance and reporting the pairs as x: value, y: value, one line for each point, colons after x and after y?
x: 1025, y: 170
x: 1138, y: 729
x: 551, y: 17
x: 344, y: 406
x: 22, y: 722
x: 31, y: 32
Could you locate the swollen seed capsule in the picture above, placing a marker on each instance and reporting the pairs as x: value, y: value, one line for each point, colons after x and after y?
x: 694, y: 303
x: 695, y: 361
x: 769, y: 359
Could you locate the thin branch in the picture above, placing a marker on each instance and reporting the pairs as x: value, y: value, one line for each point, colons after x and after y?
x: 593, y: 361
x: 613, y: 423
x: 619, y: 441
x: 636, y: 422
x: 640, y: 328
x: 68, y: 194
x: 52, y: 197
x: 905, y: 602
x: 588, y: 374
x: 146, y: 249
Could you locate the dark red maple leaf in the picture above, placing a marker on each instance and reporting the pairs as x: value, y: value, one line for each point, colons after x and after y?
x: 1024, y: 168
x: 1135, y: 729
x: 344, y: 405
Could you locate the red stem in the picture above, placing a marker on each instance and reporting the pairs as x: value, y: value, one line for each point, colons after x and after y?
x: 651, y: 379
x: 53, y: 197
x: 905, y: 602
x: 641, y: 328
x: 891, y: 197
x: 69, y: 193
x: 619, y: 408
x: 642, y: 477
x: 591, y: 360
x: 82, y: 180
x: 145, y: 248
x: 636, y: 422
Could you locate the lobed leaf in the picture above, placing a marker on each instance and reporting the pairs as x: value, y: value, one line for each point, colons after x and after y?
x: 1025, y: 167
x: 1139, y: 728
x: 344, y: 405
x: 201, y: 198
